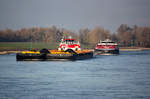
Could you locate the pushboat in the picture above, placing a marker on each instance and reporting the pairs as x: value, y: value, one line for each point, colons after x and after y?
x: 106, y: 47
x: 68, y: 49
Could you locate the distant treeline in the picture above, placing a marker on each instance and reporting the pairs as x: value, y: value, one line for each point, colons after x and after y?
x: 125, y: 35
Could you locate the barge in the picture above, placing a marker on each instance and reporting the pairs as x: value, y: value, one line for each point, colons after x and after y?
x: 54, y: 55
x: 68, y: 49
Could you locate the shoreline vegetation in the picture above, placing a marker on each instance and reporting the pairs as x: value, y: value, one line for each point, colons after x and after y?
x: 135, y: 38
x: 125, y: 35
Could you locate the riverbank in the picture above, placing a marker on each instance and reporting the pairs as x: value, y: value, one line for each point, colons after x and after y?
x: 133, y: 48
x: 16, y: 47
x: 8, y: 52
x: 4, y: 52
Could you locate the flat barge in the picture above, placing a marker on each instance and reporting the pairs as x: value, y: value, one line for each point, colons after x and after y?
x: 45, y: 54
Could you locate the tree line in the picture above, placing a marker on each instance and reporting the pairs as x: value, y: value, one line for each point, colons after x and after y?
x: 125, y: 35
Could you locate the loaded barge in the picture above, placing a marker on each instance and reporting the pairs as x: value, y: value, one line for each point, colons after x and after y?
x: 68, y: 49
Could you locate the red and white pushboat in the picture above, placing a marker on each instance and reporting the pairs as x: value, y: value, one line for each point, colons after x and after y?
x: 69, y: 43
x: 107, y: 47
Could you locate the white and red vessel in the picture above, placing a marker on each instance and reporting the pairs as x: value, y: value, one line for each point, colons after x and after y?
x: 69, y: 43
x: 107, y: 47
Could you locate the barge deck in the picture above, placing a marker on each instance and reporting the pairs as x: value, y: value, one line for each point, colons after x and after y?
x: 54, y: 55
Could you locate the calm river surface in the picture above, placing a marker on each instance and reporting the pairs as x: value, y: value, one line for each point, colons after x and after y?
x: 125, y: 76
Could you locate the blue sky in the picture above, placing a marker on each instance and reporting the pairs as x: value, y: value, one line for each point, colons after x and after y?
x: 74, y: 14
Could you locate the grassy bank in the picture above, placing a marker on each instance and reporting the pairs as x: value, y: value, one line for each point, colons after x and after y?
x: 17, y: 46
x: 7, y: 46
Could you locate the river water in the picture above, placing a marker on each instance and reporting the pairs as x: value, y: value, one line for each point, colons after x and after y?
x: 124, y: 76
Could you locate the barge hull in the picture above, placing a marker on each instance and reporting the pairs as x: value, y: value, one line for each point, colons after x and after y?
x: 42, y: 57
